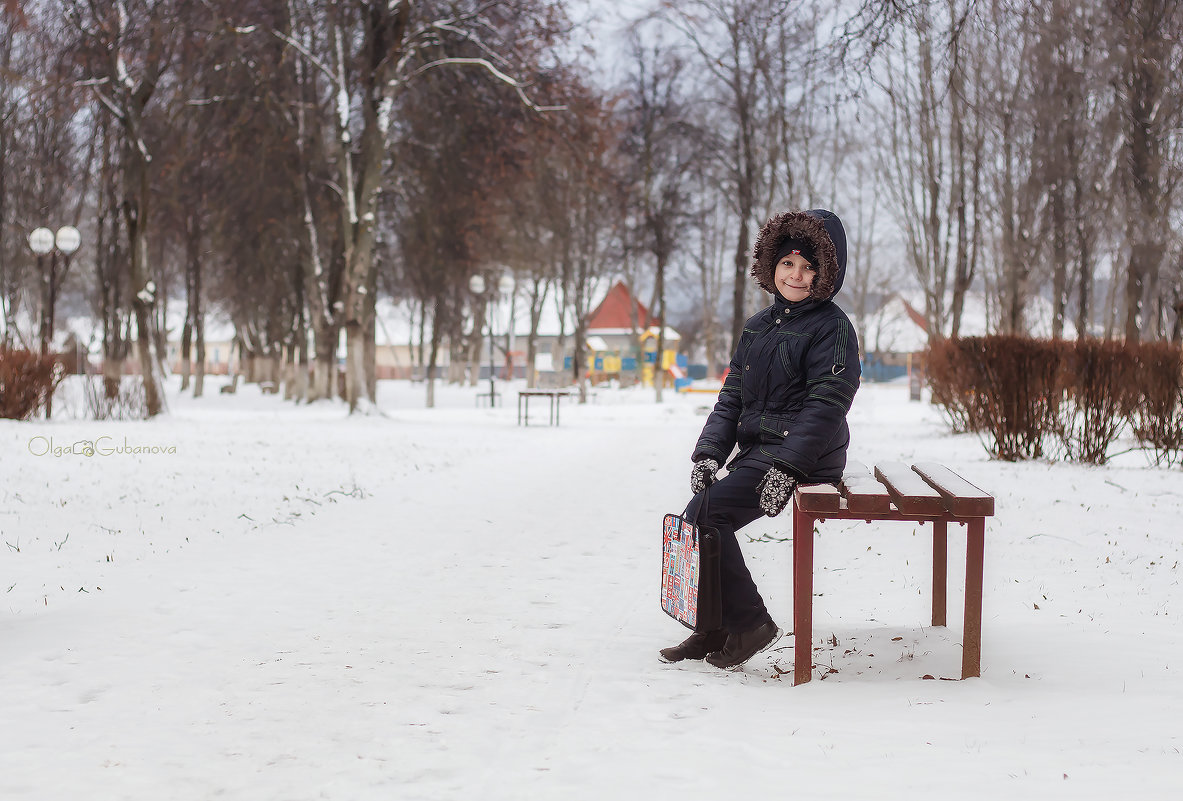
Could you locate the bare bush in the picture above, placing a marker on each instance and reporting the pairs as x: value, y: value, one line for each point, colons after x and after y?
x: 126, y: 402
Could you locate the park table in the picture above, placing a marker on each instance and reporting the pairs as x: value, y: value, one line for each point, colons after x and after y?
x: 555, y: 396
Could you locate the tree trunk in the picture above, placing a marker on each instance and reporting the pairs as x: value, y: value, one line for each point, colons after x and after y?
x: 192, y: 285
x: 45, y: 313
x: 436, y: 335
x: 658, y: 371
x: 421, y: 364
x: 578, y: 367
x: 742, y: 266
x: 355, y: 368
x: 7, y: 281
x: 135, y: 216
x: 473, y: 357
x: 112, y: 375
x: 1059, y: 258
x: 1084, y: 256
x: 538, y: 290
x: 324, y: 338
x: 186, y: 350
x: 961, y: 267
x: 1111, y: 299
x: 199, y: 370
x: 371, y: 340
x: 381, y: 50
x: 300, y: 391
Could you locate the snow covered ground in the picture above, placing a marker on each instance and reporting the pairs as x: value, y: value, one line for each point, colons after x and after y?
x: 287, y: 603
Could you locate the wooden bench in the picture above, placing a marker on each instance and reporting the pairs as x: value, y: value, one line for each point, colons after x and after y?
x: 923, y: 493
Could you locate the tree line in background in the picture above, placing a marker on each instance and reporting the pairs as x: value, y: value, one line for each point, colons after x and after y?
x: 286, y: 163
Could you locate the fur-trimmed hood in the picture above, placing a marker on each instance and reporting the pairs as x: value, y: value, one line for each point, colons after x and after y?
x: 823, y: 230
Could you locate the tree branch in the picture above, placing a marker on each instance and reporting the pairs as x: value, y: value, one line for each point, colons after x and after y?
x: 496, y: 73
x: 320, y: 65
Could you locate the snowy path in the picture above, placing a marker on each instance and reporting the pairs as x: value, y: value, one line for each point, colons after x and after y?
x: 480, y: 617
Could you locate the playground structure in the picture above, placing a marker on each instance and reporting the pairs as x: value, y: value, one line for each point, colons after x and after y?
x: 630, y: 366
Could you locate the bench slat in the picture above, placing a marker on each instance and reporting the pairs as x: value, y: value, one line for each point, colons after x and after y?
x: 910, y: 492
x: 963, y: 498
x: 819, y: 498
x: 863, y: 493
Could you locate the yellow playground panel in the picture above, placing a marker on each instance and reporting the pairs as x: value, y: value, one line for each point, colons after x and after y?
x: 649, y: 352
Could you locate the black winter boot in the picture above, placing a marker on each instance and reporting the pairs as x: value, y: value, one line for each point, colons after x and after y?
x: 696, y: 646
x: 743, y: 646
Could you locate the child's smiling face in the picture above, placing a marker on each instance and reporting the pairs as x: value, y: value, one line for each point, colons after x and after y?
x: 794, y: 277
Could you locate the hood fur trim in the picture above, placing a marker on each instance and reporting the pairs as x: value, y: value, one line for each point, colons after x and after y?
x: 795, y: 225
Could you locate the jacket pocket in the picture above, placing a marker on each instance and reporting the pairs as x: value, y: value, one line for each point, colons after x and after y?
x: 789, y: 351
x: 775, y: 427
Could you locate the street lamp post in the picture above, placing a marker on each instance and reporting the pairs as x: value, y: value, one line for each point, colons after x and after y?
x: 42, y: 241
x: 477, y: 285
x: 505, y: 285
x: 67, y: 240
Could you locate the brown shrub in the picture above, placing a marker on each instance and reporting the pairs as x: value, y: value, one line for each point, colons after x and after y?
x: 27, y: 380
x: 1018, y: 393
x: 1157, y: 413
x: 1004, y: 387
x: 950, y: 380
x: 1098, y: 382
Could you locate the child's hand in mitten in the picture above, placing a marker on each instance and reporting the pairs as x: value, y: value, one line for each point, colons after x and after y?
x: 776, y: 488
x: 702, y: 475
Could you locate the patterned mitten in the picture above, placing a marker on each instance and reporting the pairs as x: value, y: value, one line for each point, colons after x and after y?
x: 702, y: 475
x: 776, y: 488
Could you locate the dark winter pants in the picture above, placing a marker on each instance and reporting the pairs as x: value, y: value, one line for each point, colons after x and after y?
x: 734, y: 502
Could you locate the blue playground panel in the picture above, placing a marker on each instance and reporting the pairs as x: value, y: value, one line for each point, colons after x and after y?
x: 875, y: 370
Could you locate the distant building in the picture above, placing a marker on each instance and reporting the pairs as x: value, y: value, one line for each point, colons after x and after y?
x: 622, y: 339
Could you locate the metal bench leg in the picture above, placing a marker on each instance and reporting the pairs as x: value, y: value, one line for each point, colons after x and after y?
x: 940, y: 570
x: 802, y: 596
x: 971, y: 648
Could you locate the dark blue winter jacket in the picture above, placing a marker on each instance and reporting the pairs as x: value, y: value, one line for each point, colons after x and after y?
x: 795, y: 369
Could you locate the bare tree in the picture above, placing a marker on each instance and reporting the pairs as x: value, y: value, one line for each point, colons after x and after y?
x: 662, y: 146
x: 128, y: 46
x: 361, y: 56
x: 709, y: 256
x: 11, y: 63
x: 737, y: 41
x: 933, y: 160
